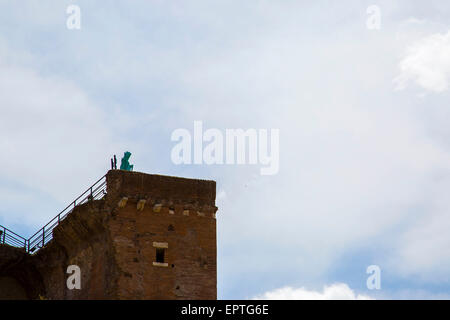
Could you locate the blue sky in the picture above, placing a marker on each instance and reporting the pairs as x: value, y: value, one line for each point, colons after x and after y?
x: 363, y: 118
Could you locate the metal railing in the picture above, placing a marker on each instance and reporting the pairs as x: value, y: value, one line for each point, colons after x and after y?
x: 11, y: 238
x: 45, y: 234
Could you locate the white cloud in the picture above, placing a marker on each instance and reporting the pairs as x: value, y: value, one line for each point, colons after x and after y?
x: 338, y: 291
x: 427, y: 64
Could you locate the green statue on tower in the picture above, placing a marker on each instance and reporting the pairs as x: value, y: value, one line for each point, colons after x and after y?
x: 125, y: 164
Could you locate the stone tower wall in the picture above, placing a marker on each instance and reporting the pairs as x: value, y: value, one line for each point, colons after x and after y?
x: 115, y: 242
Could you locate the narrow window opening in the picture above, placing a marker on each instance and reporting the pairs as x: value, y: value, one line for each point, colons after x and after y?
x: 160, y: 248
x: 160, y: 255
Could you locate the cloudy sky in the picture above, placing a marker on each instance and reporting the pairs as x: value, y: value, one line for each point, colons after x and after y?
x: 363, y: 116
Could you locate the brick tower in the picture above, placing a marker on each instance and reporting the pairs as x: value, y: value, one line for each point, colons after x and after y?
x: 150, y: 237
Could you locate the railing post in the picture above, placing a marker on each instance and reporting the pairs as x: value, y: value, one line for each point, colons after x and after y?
x: 43, y: 236
x: 4, y: 235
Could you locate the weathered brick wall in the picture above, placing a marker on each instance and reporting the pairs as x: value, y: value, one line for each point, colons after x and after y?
x: 113, y: 242
x: 11, y: 289
x: 174, y: 211
x: 189, y: 269
x: 156, y: 187
x: 17, y: 279
x: 13, y: 280
x: 81, y: 239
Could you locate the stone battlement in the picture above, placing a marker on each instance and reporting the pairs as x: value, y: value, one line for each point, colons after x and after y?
x: 157, y: 187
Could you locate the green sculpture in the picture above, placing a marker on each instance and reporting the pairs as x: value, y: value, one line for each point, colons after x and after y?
x: 124, y: 164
